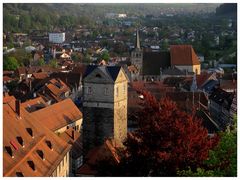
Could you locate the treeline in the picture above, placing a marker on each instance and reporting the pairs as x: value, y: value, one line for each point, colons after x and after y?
x: 21, y: 17
x: 24, y: 17
x: 227, y: 8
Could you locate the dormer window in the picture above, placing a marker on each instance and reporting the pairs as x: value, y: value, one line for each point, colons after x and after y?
x: 19, y: 174
x: 9, y: 151
x: 30, y: 132
x: 41, y: 154
x: 20, y: 141
x: 31, y: 165
x: 49, y: 144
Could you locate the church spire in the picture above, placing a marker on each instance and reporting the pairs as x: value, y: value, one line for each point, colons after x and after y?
x: 137, y: 45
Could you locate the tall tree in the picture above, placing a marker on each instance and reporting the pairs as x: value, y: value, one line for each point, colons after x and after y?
x: 166, y: 140
x: 222, y: 159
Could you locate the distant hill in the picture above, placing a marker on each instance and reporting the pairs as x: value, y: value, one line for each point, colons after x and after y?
x: 226, y: 9
x: 24, y: 16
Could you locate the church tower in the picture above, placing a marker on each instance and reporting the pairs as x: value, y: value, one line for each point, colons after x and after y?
x: 137, y: 54
x: 104, y: 105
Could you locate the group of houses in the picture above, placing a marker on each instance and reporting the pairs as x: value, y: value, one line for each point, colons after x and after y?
x: 59, y: 122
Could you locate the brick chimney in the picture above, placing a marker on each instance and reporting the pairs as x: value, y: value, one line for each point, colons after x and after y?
x: 17, y: 106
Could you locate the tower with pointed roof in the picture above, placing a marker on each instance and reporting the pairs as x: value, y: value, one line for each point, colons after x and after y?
x: 137, y: 54
x: 104, y: 105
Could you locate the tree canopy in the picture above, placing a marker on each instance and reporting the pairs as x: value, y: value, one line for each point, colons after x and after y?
x: 10, y: 63
x: 167, y: 140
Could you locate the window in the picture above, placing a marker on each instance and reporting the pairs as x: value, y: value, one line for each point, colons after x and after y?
x: 89, y: 90
x: 117, y: 91
x: 19, y: 174
x: 124, y: 89
x: 41, y: 154
x: 106, y: 91
x: 60, y: 167
x: 31, y: 165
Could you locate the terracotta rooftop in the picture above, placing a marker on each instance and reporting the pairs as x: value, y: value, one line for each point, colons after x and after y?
x: 7, y: 99
x: 7, y: 78
x: 34, y: 104
x: 58, y: 115
x: 27, y: 145
x: 40, y: 75
x: 55, y: 88
x: 183, y: 55
x: 107, y: 150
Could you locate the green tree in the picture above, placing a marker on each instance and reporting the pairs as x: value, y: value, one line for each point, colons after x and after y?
x: 222, y: 159
x: 10, y: 63
x: 41, y: 62
x: 105, y: 56
x: 53, y: 63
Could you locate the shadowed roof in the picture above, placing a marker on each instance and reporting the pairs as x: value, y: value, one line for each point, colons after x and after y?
x: 153, y: 61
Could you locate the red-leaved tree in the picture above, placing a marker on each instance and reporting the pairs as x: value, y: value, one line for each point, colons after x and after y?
x: 166, y: 140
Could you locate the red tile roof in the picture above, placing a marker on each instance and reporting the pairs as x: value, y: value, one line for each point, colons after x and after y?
x: 40, y: 75
x: 97, y: 154
x: 58, y: 115
x: 55, y: 89
x: 34, y: 104
x: 15, y: 129
x: 183, y: 55
x: 6, y: 78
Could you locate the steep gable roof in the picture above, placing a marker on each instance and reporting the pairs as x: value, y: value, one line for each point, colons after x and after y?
x: 107, y: 150
x: 183, y: 55
x: 110, y: 71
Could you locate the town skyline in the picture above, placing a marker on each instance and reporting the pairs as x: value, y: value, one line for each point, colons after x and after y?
x: 119, y: 90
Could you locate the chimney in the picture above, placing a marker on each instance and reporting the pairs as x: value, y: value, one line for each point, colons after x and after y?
x: 73, y: 134
x: 17, y: 106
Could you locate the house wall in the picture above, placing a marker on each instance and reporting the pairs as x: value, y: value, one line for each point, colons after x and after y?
x: 191, y: 68
x: 77, y: 125
x: 57, y: 37
x: 62, y: 170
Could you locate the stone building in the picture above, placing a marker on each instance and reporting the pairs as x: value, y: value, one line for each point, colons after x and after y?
x: 104, y: 105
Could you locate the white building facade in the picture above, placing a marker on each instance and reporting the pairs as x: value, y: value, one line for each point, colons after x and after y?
x: 57, y: 37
